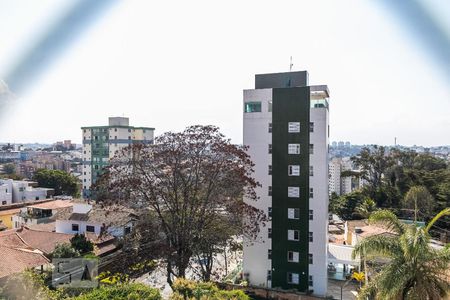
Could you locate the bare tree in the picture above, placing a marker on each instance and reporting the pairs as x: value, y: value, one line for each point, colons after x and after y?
x: 194, y: 183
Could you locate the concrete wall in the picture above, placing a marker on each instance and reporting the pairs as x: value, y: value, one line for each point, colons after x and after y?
x: 6, y: 192
x: 257, y: 136
x: 319, y: 203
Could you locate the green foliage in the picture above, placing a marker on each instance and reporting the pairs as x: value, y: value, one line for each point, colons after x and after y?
x: 345, y: 205
x: 390, y: 175
x: 9, y: 169
x: 80, y: 243
x: 65, y: 250
x: 27, y: 285
x: 109, y: 278
x: 366, y: 208
x: 125, y: 291
x: 187, y: 289
x: 419, y: 199
x: 414, y: 269
x: 62, y: 182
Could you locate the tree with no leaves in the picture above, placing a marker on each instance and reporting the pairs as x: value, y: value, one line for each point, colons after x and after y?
x: 194, y: 183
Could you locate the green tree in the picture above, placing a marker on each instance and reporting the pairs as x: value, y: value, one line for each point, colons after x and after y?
x: 62, y: 182
x: 419, y: 199
x: 80, y: 243
x: 65, y: 250
x: 9, y: 169
x: 189, y: 181
x: 366, y: 208
x: 414, y: 269
x: 345, y: 205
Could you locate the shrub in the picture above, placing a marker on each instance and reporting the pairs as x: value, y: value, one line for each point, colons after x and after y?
x: 126, y: 291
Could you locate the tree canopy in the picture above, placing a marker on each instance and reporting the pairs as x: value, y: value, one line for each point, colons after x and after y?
x: 413, y: 270
x: 193, y: 182
x: 62, y: 182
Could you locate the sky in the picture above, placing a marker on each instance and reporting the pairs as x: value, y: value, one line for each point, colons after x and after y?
x: 171, y: 64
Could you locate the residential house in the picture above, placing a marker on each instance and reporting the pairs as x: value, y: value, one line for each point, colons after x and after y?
x: 39, y: 213
x: 83, y: 218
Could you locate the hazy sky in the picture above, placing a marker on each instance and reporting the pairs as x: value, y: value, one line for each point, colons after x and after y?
x: 170, y: 64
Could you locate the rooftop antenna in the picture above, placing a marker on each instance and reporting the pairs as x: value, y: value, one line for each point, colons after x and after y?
x: 291, y: 65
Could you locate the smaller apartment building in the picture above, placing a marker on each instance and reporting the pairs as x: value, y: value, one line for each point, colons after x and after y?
x: 101, y: 143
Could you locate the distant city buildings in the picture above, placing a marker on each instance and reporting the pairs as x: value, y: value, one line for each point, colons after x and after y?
x: 100, y: 144
x: 286, y: 129
x: 342, y: 184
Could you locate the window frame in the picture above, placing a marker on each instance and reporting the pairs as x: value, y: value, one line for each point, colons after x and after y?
x: 252, y: 107
x: 294, y: 127
x: 76, y: 226
x: 294, y: 149
x: 294, y: 170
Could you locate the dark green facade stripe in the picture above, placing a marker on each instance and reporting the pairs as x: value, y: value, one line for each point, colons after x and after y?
x: 290, y: 105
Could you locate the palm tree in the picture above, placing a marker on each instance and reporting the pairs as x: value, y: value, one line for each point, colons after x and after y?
x: 414, y: 269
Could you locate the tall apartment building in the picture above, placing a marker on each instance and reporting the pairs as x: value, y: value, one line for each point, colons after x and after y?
x: 339, y: 184
x: 100, y: 144
x: 286, y: 129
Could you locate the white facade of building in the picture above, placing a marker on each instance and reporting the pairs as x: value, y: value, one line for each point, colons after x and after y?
x: 5, y: 192
x: 13, y: 191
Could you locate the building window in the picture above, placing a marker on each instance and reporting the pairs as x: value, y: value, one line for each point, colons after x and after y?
x: 74, y: 227
x: 293, y: 127
x: 251, y: 107
x: 294, y: 213
x: 310, y: 237
x: 311, y: 148
x: 90, y: 228
x: 293, y: 192
x: 269, y: 254
x: 269, y: 233
x: 293, y: 148
x: 270, y: 190
x: 270, y: 127
x: 292, y: 278
x: 310, y: 258
x: 129, y: 130
x: 84, y: 130
x: 293, y: 235
x: 270, y: 148
x: 270, y: 105
x: 115, y: 129
x: 294, y: 170
x: 129, y: 137
x: 310, y: 280
x: 311, y: 192
x: 293, y: 256
x: 269, y: 274
x: 311, y: 171
x: 270, y: 169
x: 311, y: 214
x: 311, y: 126
x: 3, y: 202
x: 269, y: 212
